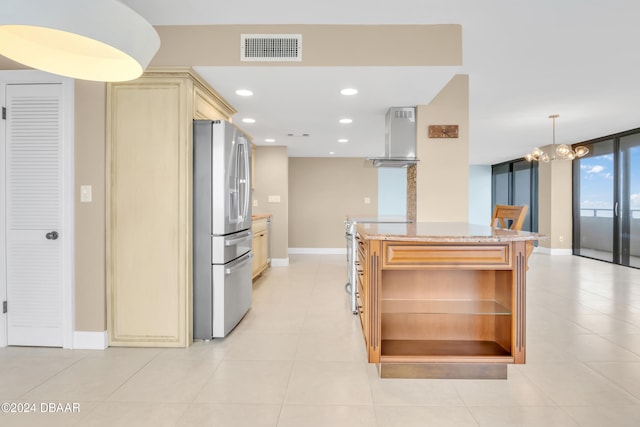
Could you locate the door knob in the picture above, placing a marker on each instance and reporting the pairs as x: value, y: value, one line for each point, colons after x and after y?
x: 52, y: 235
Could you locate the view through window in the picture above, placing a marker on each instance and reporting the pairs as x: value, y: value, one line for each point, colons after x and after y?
x: 607, y: 200
x: 516, y: 183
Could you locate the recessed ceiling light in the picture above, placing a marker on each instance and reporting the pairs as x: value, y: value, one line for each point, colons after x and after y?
x: 269, y: 140
x: 346, y: 121
x: 343, y: 140
x: 248, y: 120
x: 244, y: 92
x: 332, y: 152
x: 349, y: 91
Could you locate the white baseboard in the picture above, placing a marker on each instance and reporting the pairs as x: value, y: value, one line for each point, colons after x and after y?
x: 318, y: 251
x: 551, y: 251
x: 279, y: 262
x: 90, y: 340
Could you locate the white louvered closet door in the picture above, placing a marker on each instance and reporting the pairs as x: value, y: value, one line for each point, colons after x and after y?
x: 33, y: 214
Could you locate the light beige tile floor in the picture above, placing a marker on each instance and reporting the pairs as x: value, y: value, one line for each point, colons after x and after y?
x: 297, y: 359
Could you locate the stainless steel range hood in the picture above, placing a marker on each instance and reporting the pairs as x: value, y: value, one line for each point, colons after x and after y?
x: 400, y: 139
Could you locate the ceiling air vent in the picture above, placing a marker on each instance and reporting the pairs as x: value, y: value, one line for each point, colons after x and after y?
x: 403, y: 113
x: 271, y: 47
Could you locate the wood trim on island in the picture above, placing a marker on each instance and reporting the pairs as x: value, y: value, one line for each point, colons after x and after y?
x: 442, y: 300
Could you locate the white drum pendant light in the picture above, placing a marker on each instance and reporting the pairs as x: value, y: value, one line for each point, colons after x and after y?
x: 101, y: 40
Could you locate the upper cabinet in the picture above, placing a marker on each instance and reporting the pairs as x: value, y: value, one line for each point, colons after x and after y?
x: 149, y: 205
x: 209, y: 105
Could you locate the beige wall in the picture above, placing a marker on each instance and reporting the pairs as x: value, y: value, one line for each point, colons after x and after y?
x: 90, y: 98
x: 555, y: 218
x: 7, y: 64
x: 322, y: 191
x: 348, y: 45
x: 443, y: 170
x: 272, y: 179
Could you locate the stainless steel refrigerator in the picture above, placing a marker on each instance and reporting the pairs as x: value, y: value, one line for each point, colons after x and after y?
x: 221, y: 228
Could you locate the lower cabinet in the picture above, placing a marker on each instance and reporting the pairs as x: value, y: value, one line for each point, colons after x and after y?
x: 260, y: 246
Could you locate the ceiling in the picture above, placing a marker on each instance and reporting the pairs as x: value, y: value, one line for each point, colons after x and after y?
x: 526, y: 60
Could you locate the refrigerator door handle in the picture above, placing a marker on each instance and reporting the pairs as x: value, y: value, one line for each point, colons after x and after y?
x: 245, y: 179
x: 245, y: 237
x: 238, y: 263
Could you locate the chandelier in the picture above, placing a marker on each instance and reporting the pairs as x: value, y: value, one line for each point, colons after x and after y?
x: 560, y: 152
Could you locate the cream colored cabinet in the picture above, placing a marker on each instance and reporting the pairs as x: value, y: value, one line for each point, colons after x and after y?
x: 260, y: 246
x: 149, y: 213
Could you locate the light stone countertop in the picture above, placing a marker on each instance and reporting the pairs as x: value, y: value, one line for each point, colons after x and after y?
x: 256, y: 217
x: 377, y: 218
x: 443, y: 232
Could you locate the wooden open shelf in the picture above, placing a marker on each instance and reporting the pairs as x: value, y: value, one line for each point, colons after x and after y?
x: 442, y: 359
x: 453, y: 348
x: 444, y: 306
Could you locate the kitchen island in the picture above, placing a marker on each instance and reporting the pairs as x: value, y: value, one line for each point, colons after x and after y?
x: 442, y: 300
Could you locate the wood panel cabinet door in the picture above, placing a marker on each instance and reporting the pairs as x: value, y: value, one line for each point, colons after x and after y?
x: 255, y: 249
x: 259, y: 246
x: 264, y: 250
x: 149, y: 216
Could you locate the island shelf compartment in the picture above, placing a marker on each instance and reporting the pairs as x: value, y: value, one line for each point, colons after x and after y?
x: 446, y: 315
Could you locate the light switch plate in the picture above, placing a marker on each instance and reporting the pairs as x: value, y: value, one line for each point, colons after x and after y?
x: 86, y: 195
x: 255, y: 203
x: 367, y: 200
x: 274, y: 199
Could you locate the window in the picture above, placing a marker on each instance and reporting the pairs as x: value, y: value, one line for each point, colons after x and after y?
x: 516, y: 183
x: 606, y: 200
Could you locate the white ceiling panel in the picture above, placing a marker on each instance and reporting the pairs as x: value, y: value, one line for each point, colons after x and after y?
x: 525, y: 60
